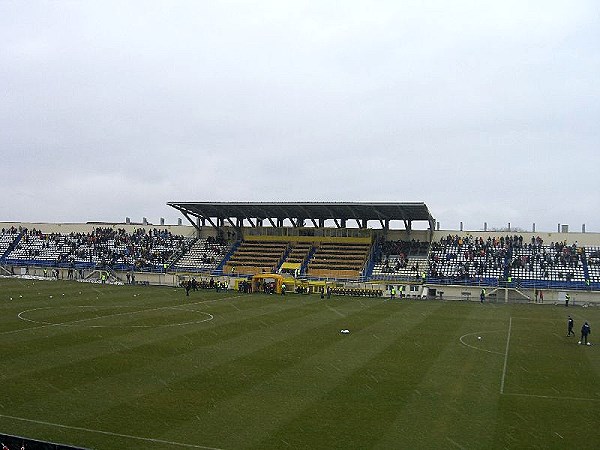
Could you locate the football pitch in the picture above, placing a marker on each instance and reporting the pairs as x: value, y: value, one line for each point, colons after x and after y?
x: 133, y: 367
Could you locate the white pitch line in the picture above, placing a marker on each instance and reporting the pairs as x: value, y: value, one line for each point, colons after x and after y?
x: 506, y: 356
x: 68, y: 324
x: 552, y: 397
x: 456, y: 444
x: 111, y: 315
x: 537, y: 319
x: 475, y: 347
x: 336, y: 311
x: 109, y: 433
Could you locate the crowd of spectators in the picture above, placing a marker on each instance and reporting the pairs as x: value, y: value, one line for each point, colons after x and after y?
x: 395, y: 256
x: 452, y: 258
x: 463, y: 257
x: 204, y: 254
x: 143, y: 249
x: 213, y: 246
x: 396, y: 248
x: 7, y: 238
x: 504, y: 257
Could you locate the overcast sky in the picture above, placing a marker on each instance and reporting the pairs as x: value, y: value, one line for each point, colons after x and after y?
x: 485, y: 111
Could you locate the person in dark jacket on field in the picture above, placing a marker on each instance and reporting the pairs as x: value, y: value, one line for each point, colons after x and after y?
x: 585, y: 330
x: 570, y: 327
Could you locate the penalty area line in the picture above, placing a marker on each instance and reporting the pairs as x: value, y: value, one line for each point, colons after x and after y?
x: 109, y: 433
x: 550, y: 397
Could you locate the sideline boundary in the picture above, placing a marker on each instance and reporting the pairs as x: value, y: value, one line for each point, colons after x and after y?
x: 108, y: 433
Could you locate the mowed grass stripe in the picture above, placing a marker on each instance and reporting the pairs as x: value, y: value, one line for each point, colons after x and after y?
x: 457, y: 382
x: 358, y: 411
x: 532, y: 370
x: 112, y: 391
x: 106, y: 353
x: 321, y: 359
x: 545, y: 423
x: 544, y: 367
x: 59, y: 345
x: 171, y: 380
x: 76, y: 294
x: 120, y: 351
x: 227, y: 371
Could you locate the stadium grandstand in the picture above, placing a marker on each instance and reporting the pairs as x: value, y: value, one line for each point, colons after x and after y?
x: 312, y: 246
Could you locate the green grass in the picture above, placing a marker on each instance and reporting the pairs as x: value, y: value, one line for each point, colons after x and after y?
x: 145, y: 367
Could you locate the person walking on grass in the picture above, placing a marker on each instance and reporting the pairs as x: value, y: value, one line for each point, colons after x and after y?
x: 570, y: 327
x: 585, y: 330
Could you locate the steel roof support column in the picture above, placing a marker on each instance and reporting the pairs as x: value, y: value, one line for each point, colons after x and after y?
x: 236, y: 227
x: 194, y: 224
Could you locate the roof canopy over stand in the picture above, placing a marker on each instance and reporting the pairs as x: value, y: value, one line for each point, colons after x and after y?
x: 236, y: 214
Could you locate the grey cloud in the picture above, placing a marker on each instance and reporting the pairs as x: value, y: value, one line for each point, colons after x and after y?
x: 483, y: 111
